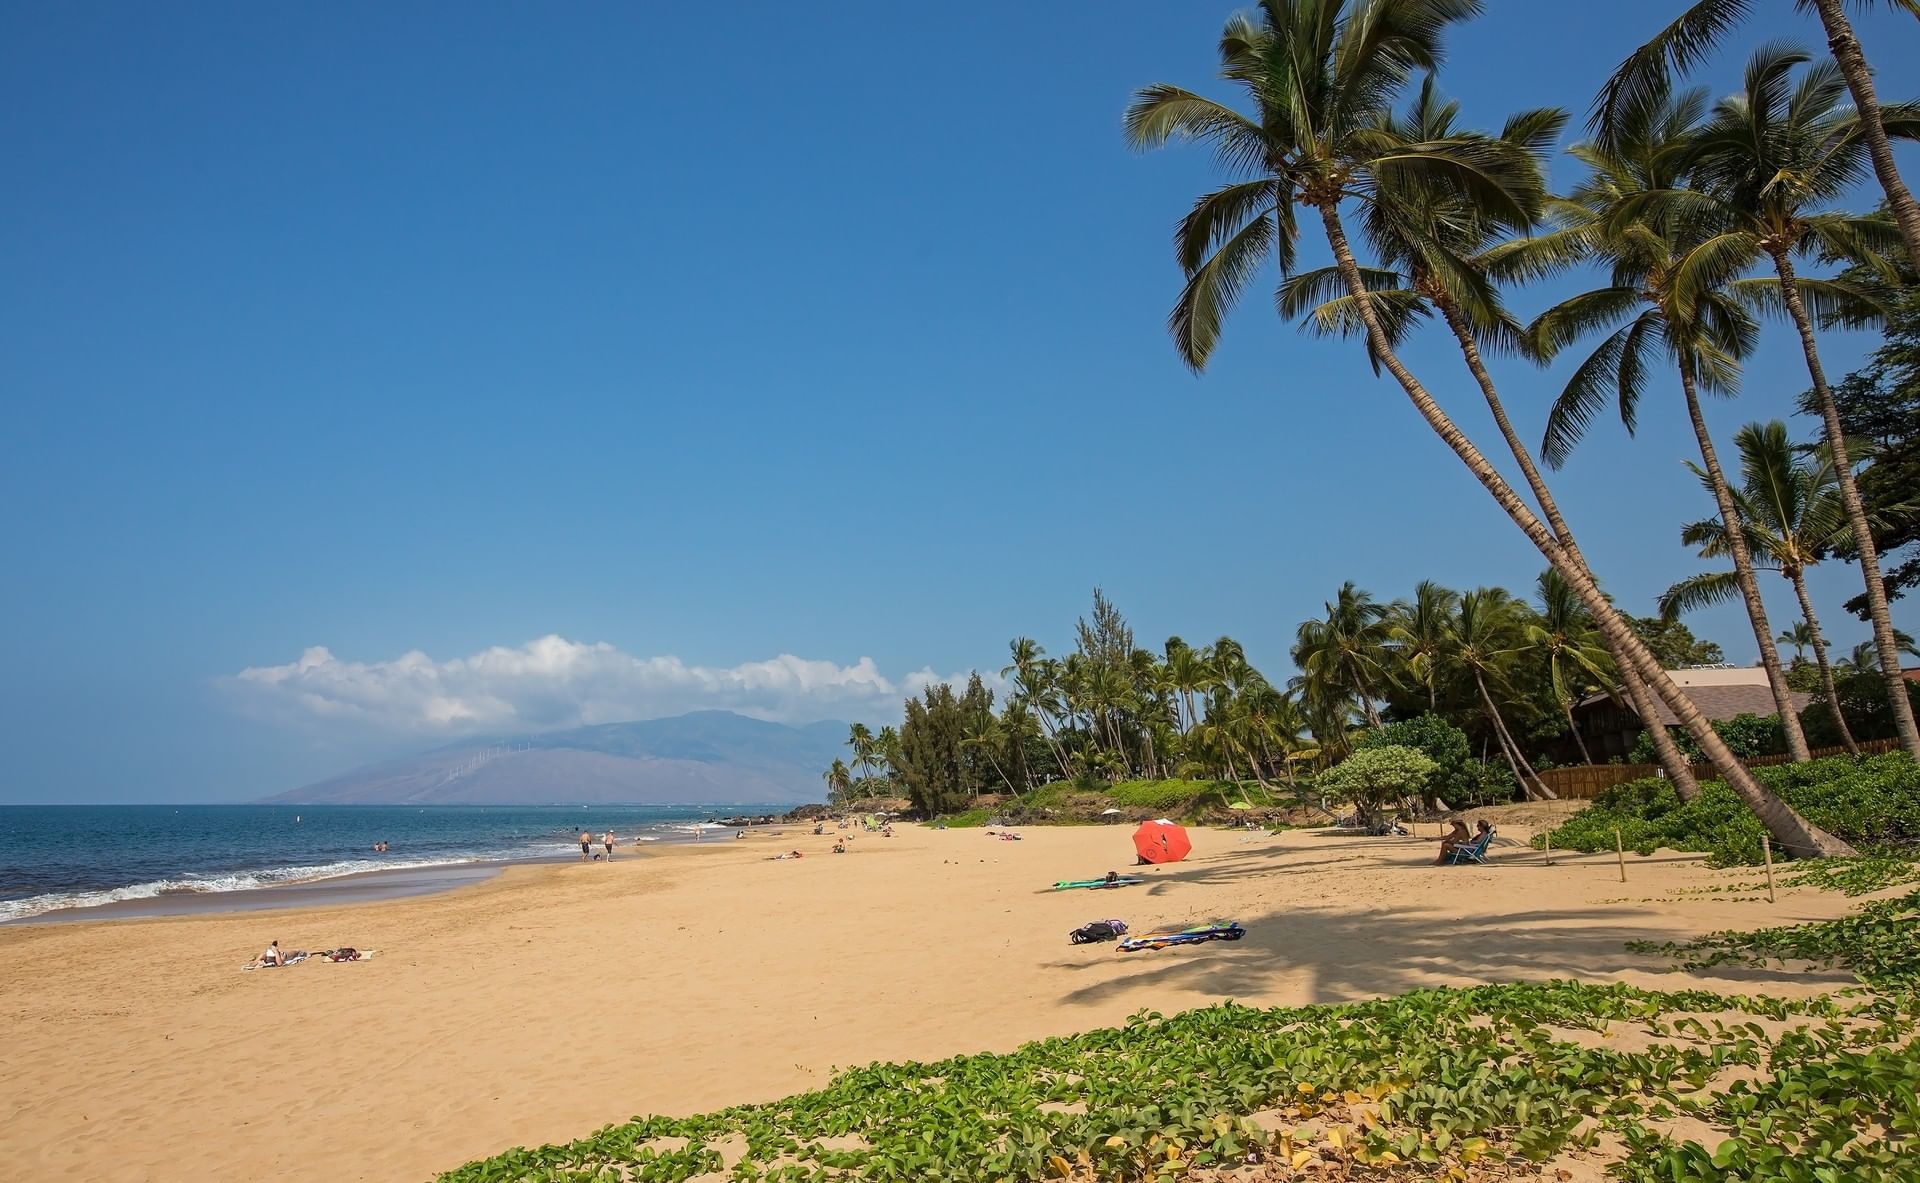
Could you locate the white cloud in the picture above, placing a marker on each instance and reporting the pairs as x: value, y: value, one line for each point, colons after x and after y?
x: 554, y: 682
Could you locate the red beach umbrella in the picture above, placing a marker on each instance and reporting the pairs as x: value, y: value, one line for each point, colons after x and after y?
x: 1161, y: 841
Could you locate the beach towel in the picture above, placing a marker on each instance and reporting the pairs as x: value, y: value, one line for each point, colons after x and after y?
x: 347, y: 954
x: 1098, y: 930
x: 1198, y: 934
x: 288, y: 959
x: 1111, y: 880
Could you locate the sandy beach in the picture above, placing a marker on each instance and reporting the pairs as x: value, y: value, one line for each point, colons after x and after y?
x: 551, y: 1000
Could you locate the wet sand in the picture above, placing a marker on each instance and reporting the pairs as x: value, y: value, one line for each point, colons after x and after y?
x: 549, y: 1000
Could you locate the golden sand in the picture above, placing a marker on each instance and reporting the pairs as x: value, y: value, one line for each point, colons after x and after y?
x: 555, y: 999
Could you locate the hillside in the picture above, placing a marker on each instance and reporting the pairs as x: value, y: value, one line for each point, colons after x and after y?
x: 700, y: 758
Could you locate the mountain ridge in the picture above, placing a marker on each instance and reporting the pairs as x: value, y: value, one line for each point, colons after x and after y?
x: 702, y: 757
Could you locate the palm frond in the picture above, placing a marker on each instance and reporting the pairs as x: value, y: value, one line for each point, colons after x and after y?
x: 1698, y: 591
x: 1161, y: 113
x: 1214, y: 288
x: 1643, y: 79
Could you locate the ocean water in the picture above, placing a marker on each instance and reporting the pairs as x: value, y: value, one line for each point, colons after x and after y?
x: 75, y: 856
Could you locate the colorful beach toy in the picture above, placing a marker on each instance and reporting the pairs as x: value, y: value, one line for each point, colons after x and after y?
x: 1118, y: 881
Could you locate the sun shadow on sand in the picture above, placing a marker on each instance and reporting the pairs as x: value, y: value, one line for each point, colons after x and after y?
x: 1334, y: 947
x: 1350, y: 955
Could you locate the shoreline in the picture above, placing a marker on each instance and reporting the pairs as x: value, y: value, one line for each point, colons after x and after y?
x: 353, y: 887
x: 549, y: 1000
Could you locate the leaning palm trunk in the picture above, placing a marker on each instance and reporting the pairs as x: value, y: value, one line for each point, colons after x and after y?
x: 1678, y: 769
x: 1794, y: 832
x: 1820, y: 655
x: 1883, y: 638
x: 1853, y: 67
x: 1566, y: 708
x: 1529, y: 780
x: 1743, y: 572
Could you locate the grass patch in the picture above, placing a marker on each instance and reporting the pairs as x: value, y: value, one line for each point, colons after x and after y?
x: 1872, y: 803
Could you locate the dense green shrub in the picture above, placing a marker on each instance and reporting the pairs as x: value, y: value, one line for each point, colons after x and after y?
x: 1458, y: 779
x: 1863, y: 699
x: 1373, y: 778
x: 1747, y: 736
x: 1870, y: 802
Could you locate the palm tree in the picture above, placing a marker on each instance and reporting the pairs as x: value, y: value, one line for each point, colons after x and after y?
x: 1188, y: 674
x: 1577, y: 661
x: 1419, y: 631
x: 1791, y: 513
x: 886, y: 751
x: 1035, y: 683
x: 1345, y: 656
x: 1318, y: 75
x: 1695, y: 33
x: 1865, y: 658
x: 1668, y: 290
x: 1449, y: 259
x: 839, y: 781
x: 1799, y: 635
x: 984, y: 733
x: 860, y: 739
x: 1485, y: 636
x: 1769, y: 159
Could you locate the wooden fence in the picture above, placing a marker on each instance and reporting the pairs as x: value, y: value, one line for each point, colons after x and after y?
x: 1582, y: 782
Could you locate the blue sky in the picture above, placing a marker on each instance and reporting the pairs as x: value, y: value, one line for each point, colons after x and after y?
x: 712, y: 335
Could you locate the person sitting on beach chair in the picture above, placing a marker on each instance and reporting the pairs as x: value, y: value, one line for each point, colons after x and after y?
x: 1474, y: 851
x: 1452, y: 840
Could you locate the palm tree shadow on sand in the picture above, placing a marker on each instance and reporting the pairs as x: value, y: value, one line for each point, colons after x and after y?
x: 1347, y: 953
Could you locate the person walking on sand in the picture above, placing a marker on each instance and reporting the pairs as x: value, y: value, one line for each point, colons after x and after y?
x: 607, y: 840
x: 586, y: 845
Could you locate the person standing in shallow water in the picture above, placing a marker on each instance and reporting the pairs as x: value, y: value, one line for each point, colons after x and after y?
x: 607, y: 840
x: 586, y: 845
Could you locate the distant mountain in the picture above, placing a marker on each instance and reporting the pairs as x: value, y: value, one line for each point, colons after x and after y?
x: 707, y: 757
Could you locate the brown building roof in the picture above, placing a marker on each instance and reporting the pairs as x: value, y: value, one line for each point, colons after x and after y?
x: 1721, y: 703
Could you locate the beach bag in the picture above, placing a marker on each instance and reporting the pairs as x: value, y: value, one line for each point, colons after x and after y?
x: 1099, y: 930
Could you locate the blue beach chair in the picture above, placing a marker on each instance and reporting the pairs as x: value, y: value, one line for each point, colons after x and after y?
x: 1474, y: 852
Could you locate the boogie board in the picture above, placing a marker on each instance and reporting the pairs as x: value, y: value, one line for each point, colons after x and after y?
x: 1123, y: 881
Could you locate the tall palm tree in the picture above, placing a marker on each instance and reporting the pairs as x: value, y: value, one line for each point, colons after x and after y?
x: 1318, y: 75
x: 1035, y: 683
x: 860, y: 739
x: 1487, y: 633
x: 1419, y: 631
x: 886, y: 751
x: 839, y: 781
x: 1188, y: 674
x: 1668, y: 291
x: 1769, y: 160
x: 983, y: 733
x: 1449, y: 258
x: 1791, y: 511
x: 1697, y: 31
x: 1577, y: 660
x: 1345, y: 656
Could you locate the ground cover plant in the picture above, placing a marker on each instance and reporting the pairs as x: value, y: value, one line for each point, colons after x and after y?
x: 1459, y: 1084
x: 1873, y: 803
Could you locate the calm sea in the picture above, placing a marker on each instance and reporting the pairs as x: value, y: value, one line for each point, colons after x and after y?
x: 75, y: 856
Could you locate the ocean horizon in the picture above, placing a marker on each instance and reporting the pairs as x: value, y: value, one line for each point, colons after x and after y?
x: 58, y: 858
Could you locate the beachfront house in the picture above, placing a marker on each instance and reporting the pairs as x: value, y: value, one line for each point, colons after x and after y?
x: 1610, y: 726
